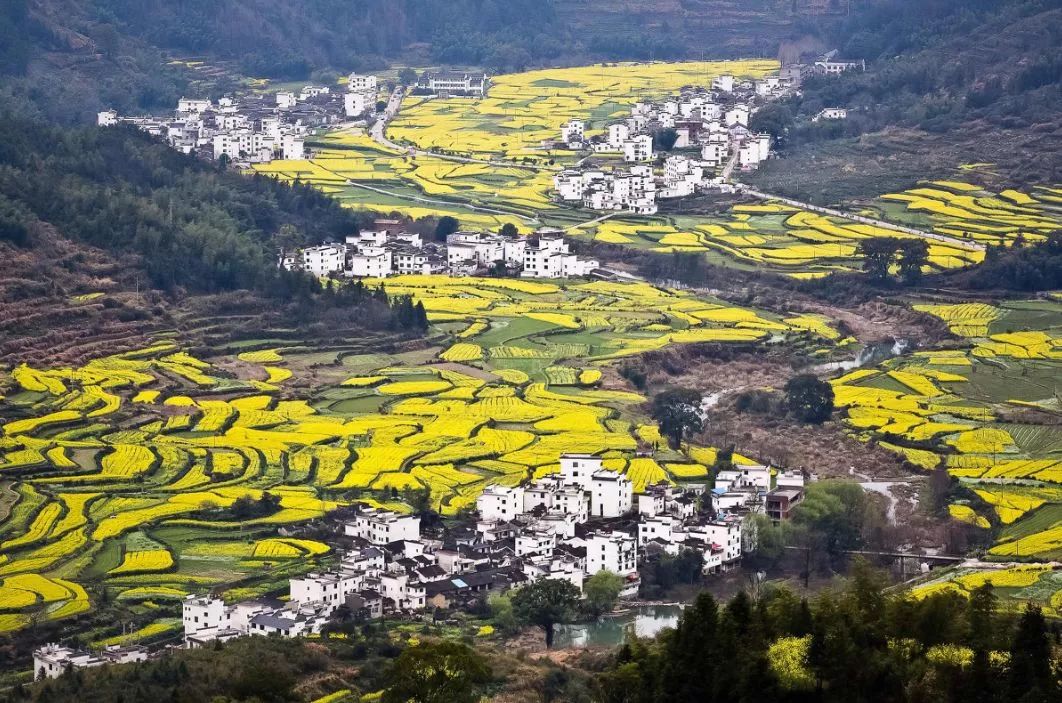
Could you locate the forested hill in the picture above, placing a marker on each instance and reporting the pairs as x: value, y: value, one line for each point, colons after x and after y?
x: 948, y: 82
x: 192, y: 225
x: 69, y: 58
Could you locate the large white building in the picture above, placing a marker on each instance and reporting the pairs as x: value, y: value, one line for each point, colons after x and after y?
x: 610, y: 494
x: 455, y: 83
x: 325, y: 259
x: 357, y: 83
x: 638, y: 148
x: 498, y: 502
x: 611, y: 551
x: 383, y: 526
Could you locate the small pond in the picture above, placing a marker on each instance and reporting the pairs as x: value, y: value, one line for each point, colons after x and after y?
x: 612, y: 630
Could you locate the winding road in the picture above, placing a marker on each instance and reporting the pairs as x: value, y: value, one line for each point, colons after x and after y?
x: 952, y: 241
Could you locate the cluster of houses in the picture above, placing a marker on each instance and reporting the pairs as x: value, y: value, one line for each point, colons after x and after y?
x: 256, y: 128
x: 712, y: 137
x: 570, y: 525
x: 711, y: 129
x: 387, y: 250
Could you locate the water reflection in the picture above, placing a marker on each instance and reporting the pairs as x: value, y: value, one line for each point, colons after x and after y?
x: 612, y: 631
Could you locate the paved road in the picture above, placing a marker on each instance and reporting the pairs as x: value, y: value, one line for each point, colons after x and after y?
x: 953, y: 241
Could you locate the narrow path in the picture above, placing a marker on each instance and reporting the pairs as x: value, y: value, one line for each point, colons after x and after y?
x: 960, y: 243
x: 430, y: 201
x: 729, y: 168
x: 591, y: 222
x: 379, y: 134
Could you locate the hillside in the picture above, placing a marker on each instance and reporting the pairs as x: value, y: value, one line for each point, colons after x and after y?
x: 67, y: 59
x: 948, y: 82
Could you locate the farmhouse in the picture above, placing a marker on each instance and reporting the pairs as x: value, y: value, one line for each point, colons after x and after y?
x: 52, y: 660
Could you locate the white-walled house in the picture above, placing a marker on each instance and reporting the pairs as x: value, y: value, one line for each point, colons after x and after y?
x: 611, y: 551
x: 52, y: 660
x: 498, y: 502
x: 357, y: 83
x: 638, y: 148
x: 325, y: 259
x: 355, y: 104
x: 754, y: 477
x: 572, y: 132
x: 383, y: 526
x: 724, y: 83
x: 579, y: 469
x: 610, y: 494
x: 329, y: 589
x: 831, y: 113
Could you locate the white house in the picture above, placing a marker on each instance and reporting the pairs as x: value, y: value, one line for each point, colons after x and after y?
x: 312, y: 91
x: 610, y: 494
x: 455, y: 82
x: 376, y: 263
x: 724, y: 83
x: 193, y: 106
x: 572, y: 132
x: 611, y: 551
x: 535, y: 543
x: 383, y: 526
x: 618, y: 134
x: 737, y: 115
x: 714, y: 153
x: 286, y: 100
x: 329, y: 589
x: 357, y: 83
x: 831, y: 113
x: 754, y: 477
x: 579, y: 469
x: 325, y: 259
x: 52, y: 660
x: 355, y: 104
x: 638, y: 148
x: 498, y: 502
x: 789, y: 479
x: 406, y: 595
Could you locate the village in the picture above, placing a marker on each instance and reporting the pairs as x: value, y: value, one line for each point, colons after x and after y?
x: 387, y: 250
x: 257, y: 128
x: 570, y: 525
x: 676, y: 147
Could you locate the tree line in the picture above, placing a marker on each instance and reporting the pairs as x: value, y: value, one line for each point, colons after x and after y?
x: 860, y: 643
x: 193, y: 226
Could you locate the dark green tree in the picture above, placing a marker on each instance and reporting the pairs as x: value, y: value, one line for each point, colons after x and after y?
x: 546, y: 603
x: 436, y: 672
x: 446, y: 226
x: 878, y: 254
x: 602, y: 591
x: 678, y: 414
x: 664, y: 139
x: 1030, y: 677
x: 809, y: 399
x: 914, y: 254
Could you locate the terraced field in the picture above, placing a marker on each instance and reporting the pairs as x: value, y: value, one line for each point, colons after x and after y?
x: 1014, y: 586
x: 521, y: 111
x: 132, y: 470
x: 988, y: 413
x: 525, y: 110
